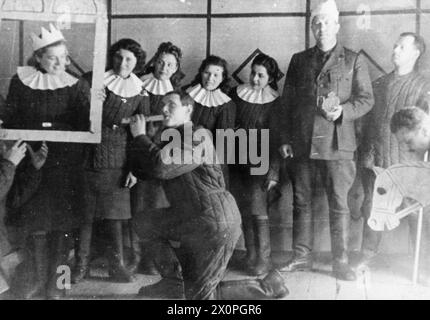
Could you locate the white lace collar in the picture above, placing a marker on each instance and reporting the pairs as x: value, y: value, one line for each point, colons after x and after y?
x: 37, y: 80
x: 208, y: 98
x: 156, y: 86
x: 124, y: 88
x: 249, y: 94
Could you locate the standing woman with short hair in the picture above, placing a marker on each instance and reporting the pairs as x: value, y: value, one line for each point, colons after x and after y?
x: 257, y: 105
x: 106, y: 192
x: 46, y: 97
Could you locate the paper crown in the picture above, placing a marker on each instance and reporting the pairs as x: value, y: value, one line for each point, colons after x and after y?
x: 46, y: 37
x: 326, y: 7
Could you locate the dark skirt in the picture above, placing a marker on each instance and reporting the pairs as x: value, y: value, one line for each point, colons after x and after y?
x: 248, y: 192
x: 105, y: 196
x: 147, y: 195
x: 54, y: 206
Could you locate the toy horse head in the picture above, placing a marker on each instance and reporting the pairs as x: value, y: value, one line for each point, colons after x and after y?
x: 392, y: 186
x: 387, y: 197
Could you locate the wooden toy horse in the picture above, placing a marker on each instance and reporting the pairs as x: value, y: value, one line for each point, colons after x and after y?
x: 393, y: 185
x: 408, y: 180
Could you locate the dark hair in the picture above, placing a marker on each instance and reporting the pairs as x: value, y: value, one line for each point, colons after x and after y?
x: 167, y: 48
x: 213, y: 61
x: 130, y: 45
x: 410, y: 118
x: 419, y: 42
x: 271, y: 66
x: 183, y: 96
x: 32, y: 61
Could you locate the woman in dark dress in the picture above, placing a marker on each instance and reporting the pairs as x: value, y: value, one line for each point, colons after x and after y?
x: 163, y: 74
x: 106, y: 192
x: 46, y: 97
x: 213, y: 108
x: 257, y: 104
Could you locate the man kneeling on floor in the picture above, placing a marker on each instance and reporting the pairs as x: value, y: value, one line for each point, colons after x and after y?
x: 204, y: 216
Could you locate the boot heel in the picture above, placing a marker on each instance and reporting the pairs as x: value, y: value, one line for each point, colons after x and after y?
x: 32, y: 273
x: 117, y: 269
x: 262, y: 239
x: 121, y: 275
x: 80, y: 273
x: 274, y: 283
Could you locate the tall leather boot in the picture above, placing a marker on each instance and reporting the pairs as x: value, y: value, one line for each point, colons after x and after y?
x: 82, y: 262
x: 136, y: 254
x: 117, y: 269
x: 371, y: 238
x: 58, y: 255
x: 31, y: 275
x: 251, y: 253
x: 147, y: 264
x: 166, y: 288
x: 271, y: 287
x: 301, y: 260
x: 262, y: 239
x: 339, y: 227
x: 369, y: 247
x: 302, y: 240
x: 165, y: 259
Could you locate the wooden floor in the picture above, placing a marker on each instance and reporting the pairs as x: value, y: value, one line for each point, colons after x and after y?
x: 390, y: 277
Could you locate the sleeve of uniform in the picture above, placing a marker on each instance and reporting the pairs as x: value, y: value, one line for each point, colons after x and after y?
x: 361, y: 100
x: 369, y: 125
x: 274, y: 156
x: 149, y: 160
x: 286, y: 105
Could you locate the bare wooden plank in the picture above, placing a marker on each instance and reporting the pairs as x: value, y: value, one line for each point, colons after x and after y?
x: 103, y: 288
x: 322, y: 287
x: 352, y: 290
x: 298, y: 284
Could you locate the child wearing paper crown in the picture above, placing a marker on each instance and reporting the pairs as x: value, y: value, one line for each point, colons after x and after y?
x: 44, y: 96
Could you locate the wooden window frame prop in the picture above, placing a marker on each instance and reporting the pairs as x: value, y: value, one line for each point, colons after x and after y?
x: 99, y: 64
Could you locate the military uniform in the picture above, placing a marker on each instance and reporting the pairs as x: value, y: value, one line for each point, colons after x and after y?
x: 322, y: 145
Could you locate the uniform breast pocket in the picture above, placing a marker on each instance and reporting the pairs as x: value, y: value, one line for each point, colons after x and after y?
x: 341, y: 83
